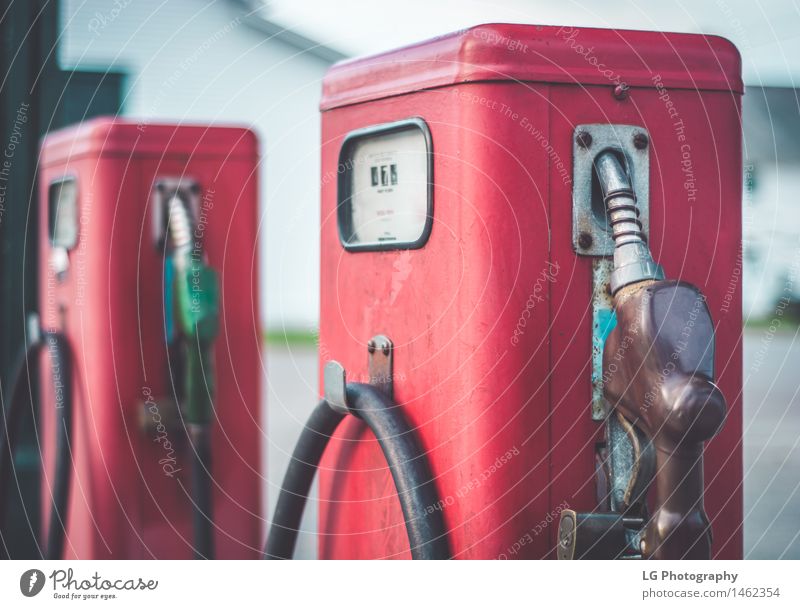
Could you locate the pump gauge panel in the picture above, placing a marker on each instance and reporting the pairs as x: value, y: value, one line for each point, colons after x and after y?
x: 63, y: 213
x: 385, y: 187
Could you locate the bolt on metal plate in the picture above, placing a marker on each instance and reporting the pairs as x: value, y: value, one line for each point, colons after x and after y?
x: 591, y: 235
x: 381, y: 352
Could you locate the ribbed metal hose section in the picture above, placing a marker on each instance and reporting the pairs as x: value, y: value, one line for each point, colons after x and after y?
x: 180, y: 229
x: 632, y: 260
x: 620, y: 200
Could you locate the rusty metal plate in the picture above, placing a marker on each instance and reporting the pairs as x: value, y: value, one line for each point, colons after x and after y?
x: 591, y: 235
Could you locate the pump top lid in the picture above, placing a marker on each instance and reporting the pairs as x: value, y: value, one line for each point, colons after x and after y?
x: 531, y: 53
x: 114, y: 136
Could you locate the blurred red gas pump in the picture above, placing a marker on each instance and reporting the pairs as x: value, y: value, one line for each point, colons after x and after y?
x: 490, y: 202
x: 148, y: 267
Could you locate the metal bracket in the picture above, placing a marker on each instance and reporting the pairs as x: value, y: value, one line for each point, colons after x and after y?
x: 335, y: 381
x: 598, y: 535
x: 381, y: 364
x: 380, y: 349
x: 34, y: 329
x: 591, y: 234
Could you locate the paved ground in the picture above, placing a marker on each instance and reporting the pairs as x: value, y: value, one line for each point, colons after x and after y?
x: 771, y: 446
x: 291, y: 396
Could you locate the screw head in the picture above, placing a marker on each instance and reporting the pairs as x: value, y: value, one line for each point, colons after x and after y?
x: 640, y: 141
x: 371, y: 346
x: 621, y: 92
x: 585, y: 241
x: 584, y: 139
x: 385, y: 348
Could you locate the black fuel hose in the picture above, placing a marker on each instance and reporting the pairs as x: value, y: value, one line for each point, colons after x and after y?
x: 410, y: 471
x: 297, y: 482
x: 12, y: 411
x: 61, y: 374
x: 202, y: 495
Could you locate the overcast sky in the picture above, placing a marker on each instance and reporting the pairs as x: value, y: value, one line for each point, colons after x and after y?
x: 766, y: 32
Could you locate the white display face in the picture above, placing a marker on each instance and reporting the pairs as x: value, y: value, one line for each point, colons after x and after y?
x: 63, y: 213
x: 389, y: 189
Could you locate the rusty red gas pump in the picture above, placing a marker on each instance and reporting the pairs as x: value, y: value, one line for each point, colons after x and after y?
x: 148, y: 273
x: 493, y: 204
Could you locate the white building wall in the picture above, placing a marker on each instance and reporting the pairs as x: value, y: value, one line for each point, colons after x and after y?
x: 199, y: 61
x: 771, y: 236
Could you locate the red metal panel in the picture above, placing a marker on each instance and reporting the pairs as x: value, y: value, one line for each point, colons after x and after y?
x: 123, y: 502
x: 501, y: 239
x: 451, y: 309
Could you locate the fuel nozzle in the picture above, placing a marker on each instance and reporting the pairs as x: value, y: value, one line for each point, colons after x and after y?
x: 196, y: 293
x: 633, y: 262
x: 662, y: 381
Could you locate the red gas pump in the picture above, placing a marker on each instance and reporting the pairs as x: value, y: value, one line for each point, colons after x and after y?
x: 148, y: 270
x: 466, y: 235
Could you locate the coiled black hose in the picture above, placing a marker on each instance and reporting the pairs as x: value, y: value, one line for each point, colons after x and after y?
x: 410, y: 471
x: 300, y: 474
x: 61, y: 375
